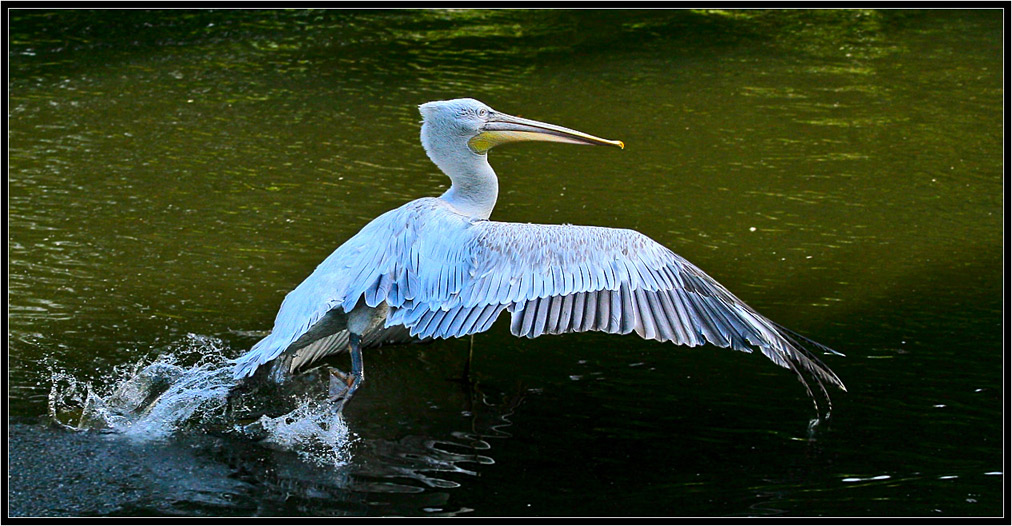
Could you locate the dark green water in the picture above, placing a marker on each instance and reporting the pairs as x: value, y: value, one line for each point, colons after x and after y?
x: 173, y: 174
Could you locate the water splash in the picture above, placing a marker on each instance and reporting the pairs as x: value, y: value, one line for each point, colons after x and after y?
x: 313, y: 430
x: 187, y: 389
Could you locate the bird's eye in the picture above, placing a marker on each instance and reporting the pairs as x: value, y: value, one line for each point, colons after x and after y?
x: 482, y: 112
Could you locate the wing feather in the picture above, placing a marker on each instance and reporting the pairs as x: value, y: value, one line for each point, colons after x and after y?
x: 618, y: 281
x: 590, y: 311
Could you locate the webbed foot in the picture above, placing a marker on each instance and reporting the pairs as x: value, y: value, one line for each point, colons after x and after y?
x: 340, y: 385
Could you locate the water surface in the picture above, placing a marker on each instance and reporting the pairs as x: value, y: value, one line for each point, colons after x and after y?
x: 173, y: 174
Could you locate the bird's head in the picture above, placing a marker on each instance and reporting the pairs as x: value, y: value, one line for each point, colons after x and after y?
x: 471, y: 122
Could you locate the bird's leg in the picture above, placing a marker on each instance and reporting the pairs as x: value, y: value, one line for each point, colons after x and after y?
x: 357, y: 375
x: 470, y: 354
x: 465, y: 379
x: 342, y: 385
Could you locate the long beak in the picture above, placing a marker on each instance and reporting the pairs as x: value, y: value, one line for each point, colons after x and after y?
x: 502, y: 128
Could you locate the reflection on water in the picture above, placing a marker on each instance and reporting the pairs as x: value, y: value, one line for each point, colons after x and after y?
x: 307, y: 454
x: 176, y: 173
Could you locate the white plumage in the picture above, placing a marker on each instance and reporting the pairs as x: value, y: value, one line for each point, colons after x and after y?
x: 436, y: 267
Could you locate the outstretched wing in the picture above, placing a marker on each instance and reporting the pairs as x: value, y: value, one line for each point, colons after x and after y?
x: 443, y: 276
x: 563, y: 278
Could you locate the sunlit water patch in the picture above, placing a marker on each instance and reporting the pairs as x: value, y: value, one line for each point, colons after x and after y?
x: 189, y: 389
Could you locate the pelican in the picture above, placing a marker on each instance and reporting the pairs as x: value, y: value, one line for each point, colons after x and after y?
x: 438, y: 267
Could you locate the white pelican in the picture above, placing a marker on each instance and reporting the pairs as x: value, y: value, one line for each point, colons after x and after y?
x: 437, y: 267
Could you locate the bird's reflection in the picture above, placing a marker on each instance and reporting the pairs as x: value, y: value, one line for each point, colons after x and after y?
x: 416, y: 434
x: 413, y: 468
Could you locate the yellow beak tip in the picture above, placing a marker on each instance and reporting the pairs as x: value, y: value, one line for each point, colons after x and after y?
x: 621, y: 144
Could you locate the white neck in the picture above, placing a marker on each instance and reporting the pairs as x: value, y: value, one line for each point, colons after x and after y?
x: 474, y: 186
x: 473, y: 194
